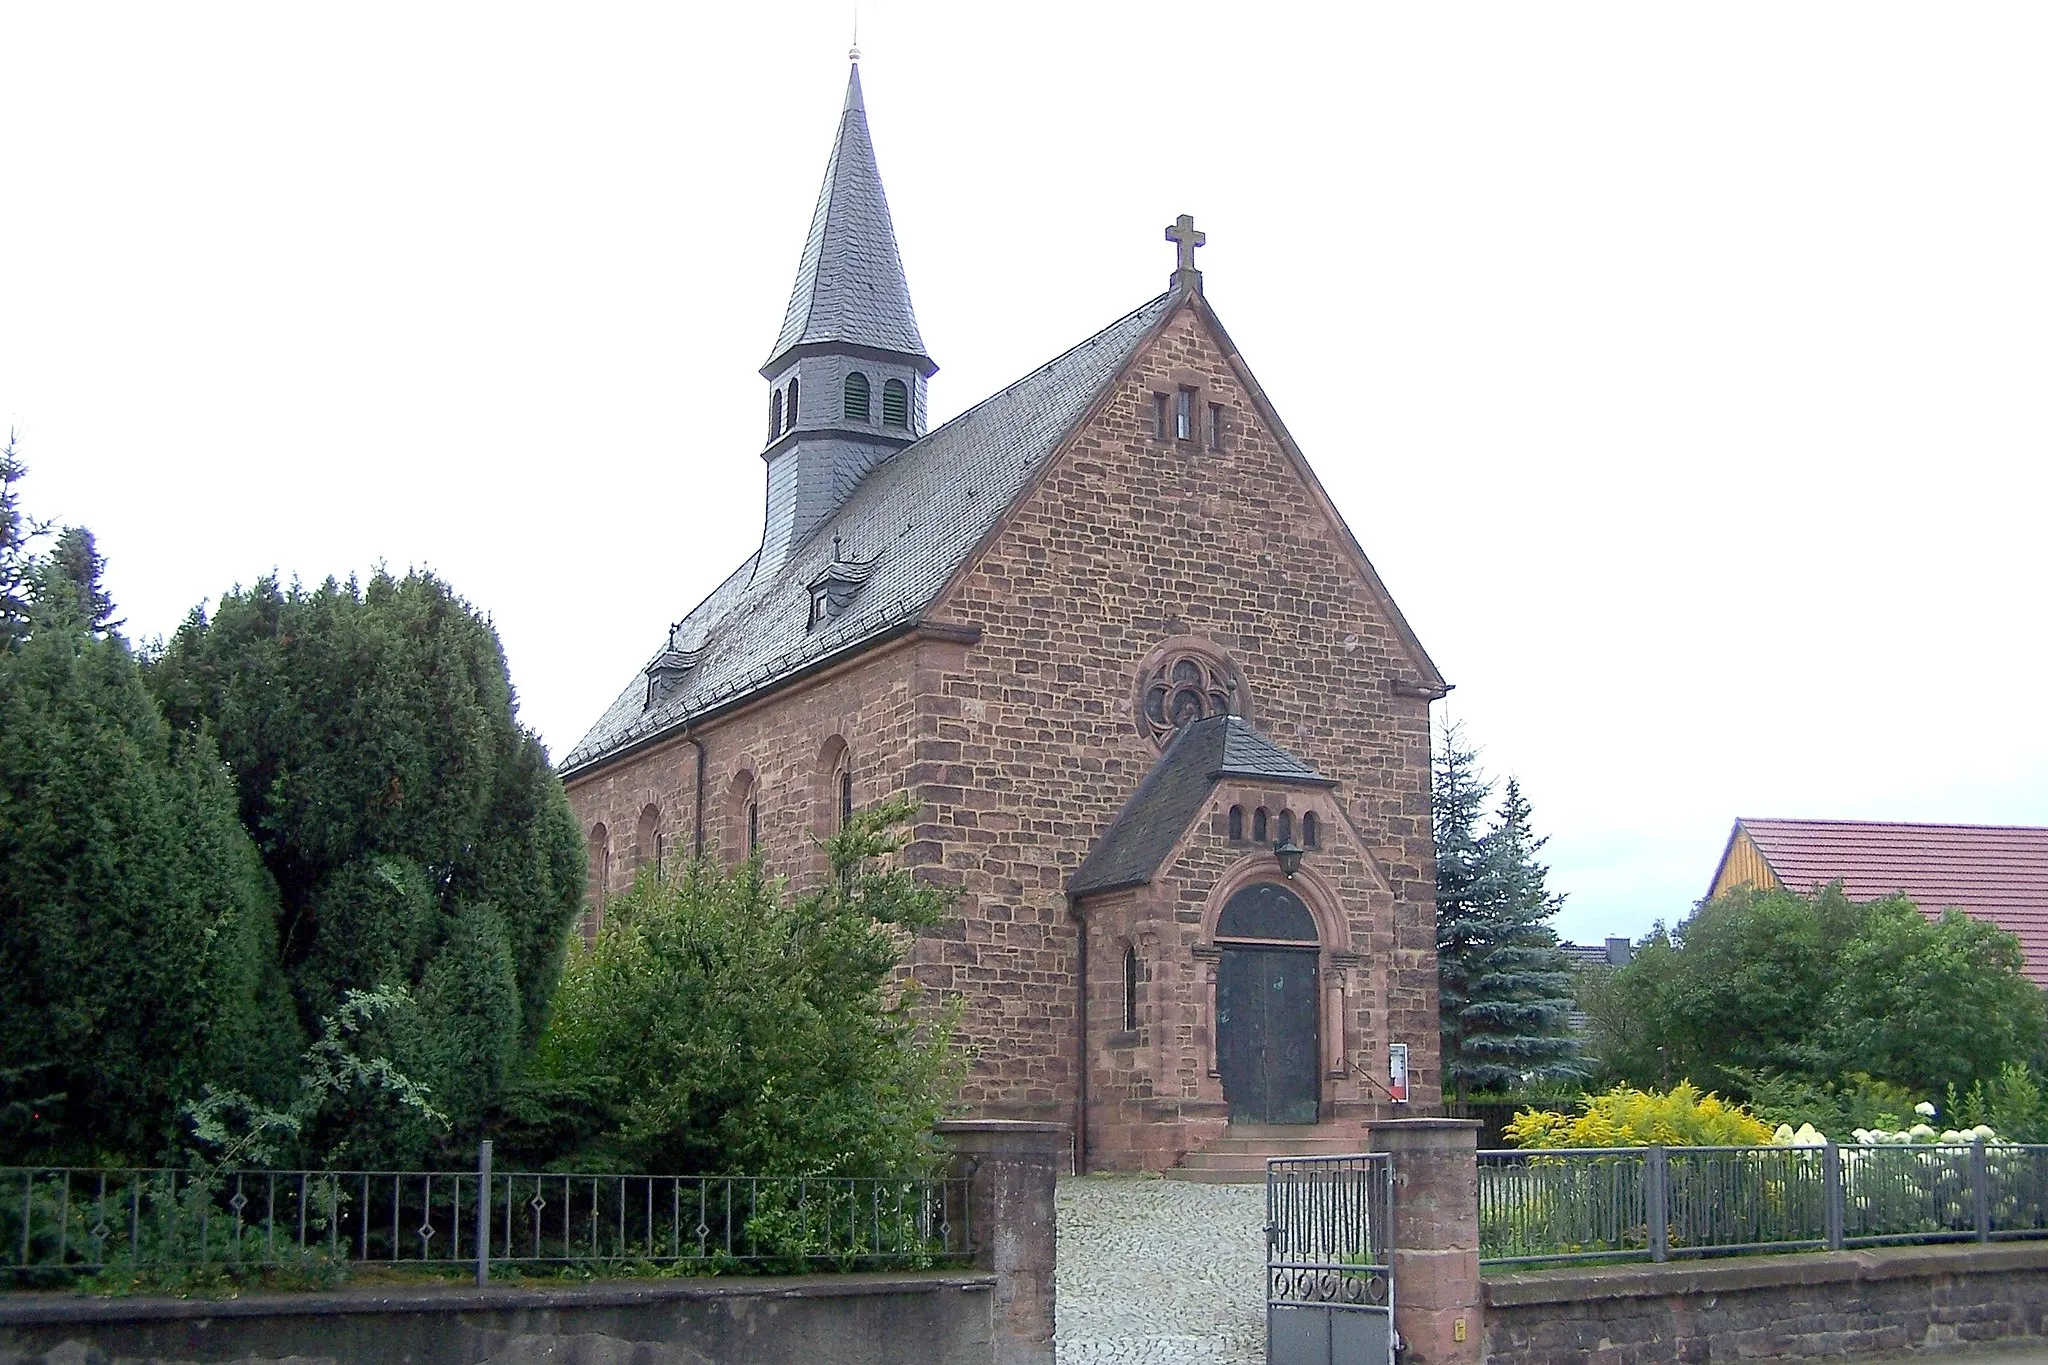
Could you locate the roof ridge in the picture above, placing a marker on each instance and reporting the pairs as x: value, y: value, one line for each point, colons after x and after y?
x: 1882, y: 824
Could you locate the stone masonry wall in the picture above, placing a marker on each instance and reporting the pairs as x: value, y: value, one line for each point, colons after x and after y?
x: 1832, y: 1304
x: 1025, y: 758
x: 783, y: 752
x: 1154, y: 1091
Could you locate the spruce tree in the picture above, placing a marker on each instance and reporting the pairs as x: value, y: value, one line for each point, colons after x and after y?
x: 1463, y: 932
x: 1515, y: 1022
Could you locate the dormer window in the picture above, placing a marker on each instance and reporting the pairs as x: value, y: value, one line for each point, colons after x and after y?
x: 667, y: 672
x: 857, y: 393
x: 895, y: 404
x: 833, y: 589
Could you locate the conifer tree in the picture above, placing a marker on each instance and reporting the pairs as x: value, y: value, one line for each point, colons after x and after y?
x: 1458, y: 802
x: 418, y: 837
x: 137, y: 923
x: 1515, y: 1023
x: 1503, y: 986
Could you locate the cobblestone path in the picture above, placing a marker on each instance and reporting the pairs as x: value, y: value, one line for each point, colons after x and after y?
x: 1159, y: 1271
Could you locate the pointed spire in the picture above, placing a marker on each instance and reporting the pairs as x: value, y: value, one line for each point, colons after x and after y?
x: 850, y: 288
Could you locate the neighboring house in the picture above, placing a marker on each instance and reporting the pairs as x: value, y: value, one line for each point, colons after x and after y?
x: 1109, y: 633
x: 1589, y: 958
x: 1997, y: 873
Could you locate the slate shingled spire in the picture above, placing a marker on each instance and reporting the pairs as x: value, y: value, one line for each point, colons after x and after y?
x: 850, y: 288
x: 849, y: 367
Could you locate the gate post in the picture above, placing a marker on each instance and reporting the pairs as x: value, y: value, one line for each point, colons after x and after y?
x: 1436, y: 1237
x: 1012, y: 1166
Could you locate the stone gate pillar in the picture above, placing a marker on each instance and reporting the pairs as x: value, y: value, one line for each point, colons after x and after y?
x: 1013, y: 1166
x: 1436, y: 1237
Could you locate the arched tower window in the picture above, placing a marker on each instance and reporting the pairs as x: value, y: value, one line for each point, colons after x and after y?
x: 789, y: 412
x: 1237, y: 824
x: 774, y: 414
x: 1309, y: 832
x: 1130, y: 986
x: 856, y: 397
x: 895, y: 404
x: 1259, y: 825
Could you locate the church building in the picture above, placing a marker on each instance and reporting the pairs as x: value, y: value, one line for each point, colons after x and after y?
x: 1167, y: 734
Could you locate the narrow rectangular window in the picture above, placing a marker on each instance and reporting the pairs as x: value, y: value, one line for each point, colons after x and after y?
x: 1215, y: 426
x: 1184, y: 416
x: 1159, y: 415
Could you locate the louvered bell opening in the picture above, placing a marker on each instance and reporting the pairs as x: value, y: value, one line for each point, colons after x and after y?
x: 895, y: 404
x: 856, y: 397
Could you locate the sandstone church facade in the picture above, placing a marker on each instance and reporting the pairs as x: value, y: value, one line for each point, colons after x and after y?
x: 1167, y: 733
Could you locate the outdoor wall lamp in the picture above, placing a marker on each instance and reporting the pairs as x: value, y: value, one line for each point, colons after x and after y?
x: 1289, y: 854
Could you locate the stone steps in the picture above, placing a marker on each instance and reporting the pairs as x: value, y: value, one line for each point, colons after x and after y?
x: 1239, y: 1155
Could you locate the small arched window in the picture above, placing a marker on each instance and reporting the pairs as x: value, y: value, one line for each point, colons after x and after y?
x: 1309, y: 831
x: 846, y: 796
x: 1130, y: 986
x: 1237, y: 824
x: 647, y: 839
x: 1259, y: 825
x: 1284, y: 834
x: 856, y: 397
x: 600, y: 876
x: 789, y: 410
x: 774, y: 414
x: 753, y: 824
x: 895, y: 404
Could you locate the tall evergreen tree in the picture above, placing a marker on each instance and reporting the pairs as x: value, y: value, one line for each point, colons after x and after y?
x: 137, y: 923
x: 417, y: 834
x: 1503, y: 986
x: 1515, y: 1024
x: 1463, y: 932
x: 18, y: 531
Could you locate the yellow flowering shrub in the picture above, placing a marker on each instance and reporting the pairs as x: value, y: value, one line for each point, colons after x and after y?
x: 1628, y: 1117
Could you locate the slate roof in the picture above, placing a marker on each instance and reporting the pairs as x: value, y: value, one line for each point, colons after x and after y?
x: 917, y: 516
x: 1146, y: 829
x: 1992, y: 872
x: 849, y: 283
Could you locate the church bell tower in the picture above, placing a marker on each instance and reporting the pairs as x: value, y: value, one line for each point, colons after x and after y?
x: 848, y: 371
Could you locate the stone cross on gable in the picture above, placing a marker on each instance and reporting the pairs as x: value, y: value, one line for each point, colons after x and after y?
x: 1182, y: 233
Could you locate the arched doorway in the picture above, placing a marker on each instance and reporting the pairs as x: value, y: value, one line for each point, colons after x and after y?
x: 1266, y: 1006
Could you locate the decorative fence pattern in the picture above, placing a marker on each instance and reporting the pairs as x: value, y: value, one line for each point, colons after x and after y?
x: 77, y: 1220
x: 1654, y: 1203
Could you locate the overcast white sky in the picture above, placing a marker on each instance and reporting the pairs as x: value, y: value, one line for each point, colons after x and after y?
x: 1681, y: 369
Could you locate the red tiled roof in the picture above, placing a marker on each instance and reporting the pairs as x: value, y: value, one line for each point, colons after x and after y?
x: 1991, y: 872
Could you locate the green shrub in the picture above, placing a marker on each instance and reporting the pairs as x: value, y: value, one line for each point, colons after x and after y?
x: 721, y: 1025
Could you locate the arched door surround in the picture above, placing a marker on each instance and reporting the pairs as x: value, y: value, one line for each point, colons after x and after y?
x: 1267, y: 1005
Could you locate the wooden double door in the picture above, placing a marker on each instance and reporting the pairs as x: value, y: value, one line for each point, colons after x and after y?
x: 1266, y: 1034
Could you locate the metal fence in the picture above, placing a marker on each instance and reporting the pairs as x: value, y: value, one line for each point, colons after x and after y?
x: 1329, y: 1259
x: 57, y: 1220
x: 1654, y: 1203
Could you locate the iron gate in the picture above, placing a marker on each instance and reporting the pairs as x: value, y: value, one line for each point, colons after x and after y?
x: 1329, y: 1260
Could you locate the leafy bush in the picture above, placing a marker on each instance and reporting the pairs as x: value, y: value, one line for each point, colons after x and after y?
x: 1627, y: 1117
x: 720, y: 1025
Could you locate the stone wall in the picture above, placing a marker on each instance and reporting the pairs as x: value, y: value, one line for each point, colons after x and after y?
x: 847, y: 1319
x: 1845, y: 1303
